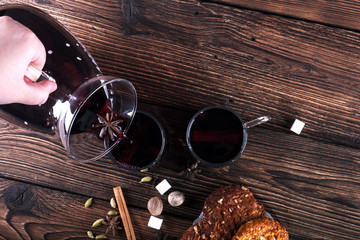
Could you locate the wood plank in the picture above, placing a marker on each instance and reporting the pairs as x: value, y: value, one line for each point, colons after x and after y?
x: 344, y: 14
x: 34, y: 212
x: 189, y: 55
x: 184, y: 55
x: 301, y: 182
x: 308, y: 183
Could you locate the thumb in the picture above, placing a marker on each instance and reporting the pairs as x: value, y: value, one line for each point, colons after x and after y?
x: 38, y: 93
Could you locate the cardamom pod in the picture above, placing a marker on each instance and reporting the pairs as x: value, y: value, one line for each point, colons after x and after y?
x: 146, y: 179
x: 90, y: 234
x: 144, y: 170
x: 101, y: 237
x: 113, y: 203
x: 113, y: 213
x: 88, y: 202
x: 98, y: 223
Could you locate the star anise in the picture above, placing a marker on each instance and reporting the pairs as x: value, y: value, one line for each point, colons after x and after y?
x: 191, y: 171
x: 109, y: 126
x: 113, y: 224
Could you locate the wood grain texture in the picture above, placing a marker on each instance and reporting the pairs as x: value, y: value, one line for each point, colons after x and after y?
x: 33, y: 212
x: 303, y: 184
x: 184, y: 55
x: 341, y: 13
x: 204, y: 54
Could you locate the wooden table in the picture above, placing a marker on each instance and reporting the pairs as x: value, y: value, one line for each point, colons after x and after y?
x: 289, y: 59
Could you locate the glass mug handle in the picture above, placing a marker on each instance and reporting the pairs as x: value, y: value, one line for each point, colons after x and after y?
x: 257, y: 121
x: 37, y: 75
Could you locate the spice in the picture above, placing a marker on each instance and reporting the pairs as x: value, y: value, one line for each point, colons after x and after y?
x: 124, y: 213
x: 155, y: 206
x: 99, y: 237
x: 191, y: 171
x: 90, y: 234
x: 97, y: 223
x: 113, y: 224
x: 109, y: 126
x: 176, y: 198
x: 113, y: 202
x: 146, y: 179
x: 113, y: 213
x: 88, y: 202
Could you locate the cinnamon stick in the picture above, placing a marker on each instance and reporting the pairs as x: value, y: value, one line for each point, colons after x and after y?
x: 124, y: 213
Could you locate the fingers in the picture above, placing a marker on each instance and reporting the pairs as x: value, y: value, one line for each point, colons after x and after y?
x: 19, y: 49
x: 38, y: 53
x: 38, y: 93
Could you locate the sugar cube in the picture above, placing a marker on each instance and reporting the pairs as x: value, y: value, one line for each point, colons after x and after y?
x: 163, y: 186
x: 297, y: 126
x: 155, y: 222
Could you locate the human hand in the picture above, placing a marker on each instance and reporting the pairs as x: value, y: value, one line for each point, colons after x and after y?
x: 19, y: 48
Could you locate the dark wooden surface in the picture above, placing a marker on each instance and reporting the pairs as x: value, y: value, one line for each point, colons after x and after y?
x: 282, y: 58
x: 340, y: 13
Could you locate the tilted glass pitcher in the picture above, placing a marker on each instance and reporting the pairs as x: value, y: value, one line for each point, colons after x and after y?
x: 90, y: 112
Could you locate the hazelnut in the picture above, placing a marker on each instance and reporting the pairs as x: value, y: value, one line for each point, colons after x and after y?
x: 176, y: 198
x: 155, y: 206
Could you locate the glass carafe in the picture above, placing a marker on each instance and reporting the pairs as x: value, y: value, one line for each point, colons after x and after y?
x: 90, y: 112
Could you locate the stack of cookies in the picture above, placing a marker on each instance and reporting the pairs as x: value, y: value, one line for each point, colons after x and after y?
x: 228, y: 214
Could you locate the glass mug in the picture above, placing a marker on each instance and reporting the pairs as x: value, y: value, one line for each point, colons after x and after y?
x: 90, y: 112
x: 145, y: 144
x: 216, y: 136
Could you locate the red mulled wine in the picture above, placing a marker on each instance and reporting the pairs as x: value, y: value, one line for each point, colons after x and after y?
x: 144, y: 145
x: 216, y: 136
